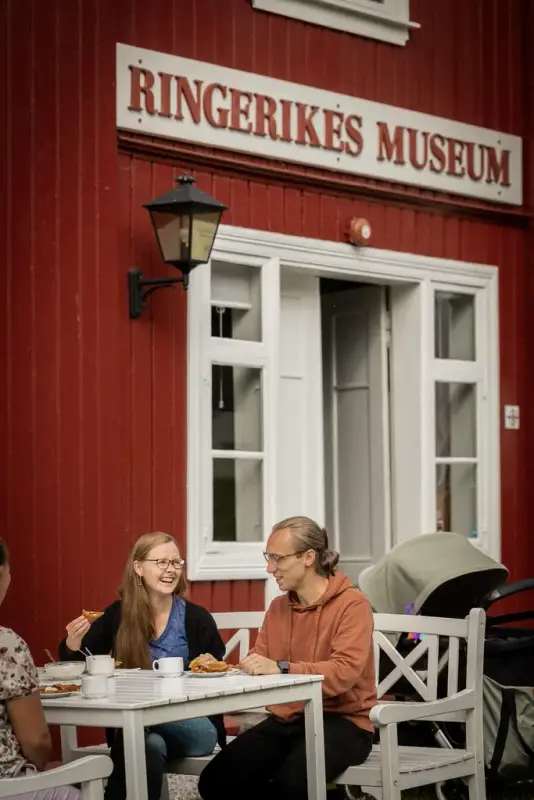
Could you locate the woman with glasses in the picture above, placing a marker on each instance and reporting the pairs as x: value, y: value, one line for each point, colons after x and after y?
x: 152, y: 619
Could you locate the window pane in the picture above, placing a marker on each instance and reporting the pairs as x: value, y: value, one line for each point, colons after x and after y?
x: 456, y: 498
x: 454, y: 323
x: 456, y: 420
x: 237, y: 500
x: 236, y: 301
x: 236, y: 408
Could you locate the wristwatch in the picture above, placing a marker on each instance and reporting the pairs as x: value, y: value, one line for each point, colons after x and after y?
x: 283, y: 666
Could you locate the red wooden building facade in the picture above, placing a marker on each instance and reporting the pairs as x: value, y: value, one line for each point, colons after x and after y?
x: 94, y: 409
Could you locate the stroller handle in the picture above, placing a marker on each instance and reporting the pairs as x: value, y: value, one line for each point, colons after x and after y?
x: 508, y: 590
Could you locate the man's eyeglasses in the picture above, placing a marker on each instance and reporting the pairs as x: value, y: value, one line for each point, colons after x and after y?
x: 165, y: 563
x: 271, y: 558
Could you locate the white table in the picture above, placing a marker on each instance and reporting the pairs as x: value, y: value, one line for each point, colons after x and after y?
x: 143, y: 699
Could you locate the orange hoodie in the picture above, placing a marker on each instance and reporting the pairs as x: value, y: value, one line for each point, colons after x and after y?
x: 332, y: 637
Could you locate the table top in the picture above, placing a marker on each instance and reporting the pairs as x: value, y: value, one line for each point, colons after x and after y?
x: 144, y: 689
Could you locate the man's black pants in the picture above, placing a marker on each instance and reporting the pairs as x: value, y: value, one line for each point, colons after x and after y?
x: 269, y: 760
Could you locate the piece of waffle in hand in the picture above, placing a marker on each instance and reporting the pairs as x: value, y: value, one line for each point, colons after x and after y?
x: 91, y: 616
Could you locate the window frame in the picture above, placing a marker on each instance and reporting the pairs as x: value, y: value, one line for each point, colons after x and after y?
x: 476, y: 372
x: 209, y: 559
x: 412, y: 417
x: 387, y: 21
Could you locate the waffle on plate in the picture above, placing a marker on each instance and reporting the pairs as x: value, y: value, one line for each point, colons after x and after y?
x: 56, y: 688
x: 211, y: 666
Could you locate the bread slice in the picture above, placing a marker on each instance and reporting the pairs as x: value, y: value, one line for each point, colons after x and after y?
x: 91, y: 616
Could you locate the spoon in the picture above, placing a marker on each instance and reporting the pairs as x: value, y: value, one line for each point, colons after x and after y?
x: 89, y: 652
x: 50, y: 656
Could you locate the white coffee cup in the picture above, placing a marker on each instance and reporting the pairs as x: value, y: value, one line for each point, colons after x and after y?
x: 100, y: 665
x: 169, y: 667
x: 95, y: 687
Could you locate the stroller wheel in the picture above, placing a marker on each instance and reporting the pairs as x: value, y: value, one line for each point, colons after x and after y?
x: 452, y: 790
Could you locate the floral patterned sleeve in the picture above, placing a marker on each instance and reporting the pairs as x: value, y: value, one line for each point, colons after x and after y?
x: 18, y: 674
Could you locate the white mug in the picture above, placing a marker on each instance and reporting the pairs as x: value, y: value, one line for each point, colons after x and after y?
x: 100, y: 665
x: 169, y: 667
x: 95, y: 687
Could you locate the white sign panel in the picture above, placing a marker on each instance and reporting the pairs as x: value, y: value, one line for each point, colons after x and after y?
x: 177, y: 98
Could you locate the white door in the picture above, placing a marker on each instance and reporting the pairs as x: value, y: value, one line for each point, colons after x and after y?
x: 356, y: 425
x: 299, y: 464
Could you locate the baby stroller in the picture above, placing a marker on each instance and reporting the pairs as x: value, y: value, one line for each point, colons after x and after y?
x: 444, y: 575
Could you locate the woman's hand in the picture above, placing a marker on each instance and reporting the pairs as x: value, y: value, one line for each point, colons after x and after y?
x: 204, y: 658
x: 76, y: 630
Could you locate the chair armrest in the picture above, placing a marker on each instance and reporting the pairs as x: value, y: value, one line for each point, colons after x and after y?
x: 83, y: 770
x: 406, y: 712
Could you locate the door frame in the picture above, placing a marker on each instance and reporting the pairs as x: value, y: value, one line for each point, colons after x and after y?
x: 412, y: 278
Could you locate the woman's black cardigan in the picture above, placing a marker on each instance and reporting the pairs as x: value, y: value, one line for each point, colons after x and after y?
x: 200, y: 630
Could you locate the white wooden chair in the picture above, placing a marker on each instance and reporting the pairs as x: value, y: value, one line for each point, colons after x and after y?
x: 90, y: 772
x: 242, y: 622
x: 391, y: 769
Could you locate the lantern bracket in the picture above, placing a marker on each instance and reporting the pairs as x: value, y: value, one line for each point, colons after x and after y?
x: 138, y: 293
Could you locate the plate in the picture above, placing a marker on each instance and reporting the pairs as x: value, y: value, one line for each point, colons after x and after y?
x: 212, y: 674
x: 53, y: 695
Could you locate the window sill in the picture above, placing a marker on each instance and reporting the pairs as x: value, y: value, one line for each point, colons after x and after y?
x: 349, y: 16
x: 231, y: 561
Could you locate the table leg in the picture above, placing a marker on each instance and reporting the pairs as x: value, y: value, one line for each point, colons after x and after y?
x: 313, y: 718
x: 134, y: 756
x: 69, y: 742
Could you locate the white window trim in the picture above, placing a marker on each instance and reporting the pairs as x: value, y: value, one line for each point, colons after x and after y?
x: 452, y: 371
x: 235, y: 561
x: 388, y: 21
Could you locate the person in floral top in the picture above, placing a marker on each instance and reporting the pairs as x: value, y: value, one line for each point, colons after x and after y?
x: 25, y: 743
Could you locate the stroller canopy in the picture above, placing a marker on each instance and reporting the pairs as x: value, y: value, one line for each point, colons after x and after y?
x: 442, y: 574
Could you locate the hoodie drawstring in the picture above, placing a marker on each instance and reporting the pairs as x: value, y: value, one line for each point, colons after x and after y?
x: 316, y: 630
x: 316, y: 623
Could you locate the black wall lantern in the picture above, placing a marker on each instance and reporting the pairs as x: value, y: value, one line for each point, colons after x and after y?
x: 185, y: 221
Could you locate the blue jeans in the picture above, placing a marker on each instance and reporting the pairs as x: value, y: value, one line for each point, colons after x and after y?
x: 164, y: 743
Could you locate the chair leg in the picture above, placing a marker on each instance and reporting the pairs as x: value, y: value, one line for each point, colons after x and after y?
x: 389, y: 767
x: 477, y: 784
x: 165, y: 793
x: 92, y: 790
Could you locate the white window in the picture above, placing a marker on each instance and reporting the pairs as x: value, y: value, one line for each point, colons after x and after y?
x: 387, y: 20
x: 357, y: 386
x: 460, y: 411
x: 233, y: 345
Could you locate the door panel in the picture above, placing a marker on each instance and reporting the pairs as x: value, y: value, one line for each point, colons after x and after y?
x: 356, y: 425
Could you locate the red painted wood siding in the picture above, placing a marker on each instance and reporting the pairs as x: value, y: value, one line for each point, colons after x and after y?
x: 92, y: 420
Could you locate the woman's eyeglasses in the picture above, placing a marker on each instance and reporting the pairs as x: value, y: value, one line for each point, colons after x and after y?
x: 165, y: 563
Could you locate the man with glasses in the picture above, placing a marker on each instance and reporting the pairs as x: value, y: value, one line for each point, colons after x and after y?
x: 322, y: 625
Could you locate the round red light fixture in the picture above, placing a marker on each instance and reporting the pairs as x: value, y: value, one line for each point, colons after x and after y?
x: 359, y: 231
